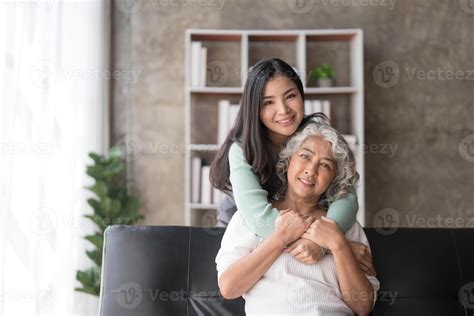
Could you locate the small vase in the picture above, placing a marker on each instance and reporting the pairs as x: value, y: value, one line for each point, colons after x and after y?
x: 324, y: 82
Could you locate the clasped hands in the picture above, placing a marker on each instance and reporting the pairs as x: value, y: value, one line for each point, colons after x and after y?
x: 305, y: 236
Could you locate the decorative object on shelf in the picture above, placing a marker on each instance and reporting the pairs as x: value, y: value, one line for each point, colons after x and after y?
x: 315, y: 106
x: 323, y: 76
x: 198, y: 64
x: 226, y: 119
x: 112, y: 205
x: 202, y: 191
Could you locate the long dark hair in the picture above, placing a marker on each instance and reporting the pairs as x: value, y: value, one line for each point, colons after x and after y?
x: 250, y: 132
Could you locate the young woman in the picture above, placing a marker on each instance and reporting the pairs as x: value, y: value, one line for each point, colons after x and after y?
x: 272, y: 109
x: 315, y: 166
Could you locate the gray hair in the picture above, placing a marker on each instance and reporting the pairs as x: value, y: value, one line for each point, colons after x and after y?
x: 346, y: 174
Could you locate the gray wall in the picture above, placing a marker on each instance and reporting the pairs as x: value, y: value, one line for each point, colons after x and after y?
x: 417, y: 168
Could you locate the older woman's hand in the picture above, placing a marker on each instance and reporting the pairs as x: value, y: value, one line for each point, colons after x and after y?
x: 325, y: 233
x: 290, y: 225
x: 305, y: 251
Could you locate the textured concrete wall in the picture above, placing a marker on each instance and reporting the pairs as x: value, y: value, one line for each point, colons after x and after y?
x: 419, y: 171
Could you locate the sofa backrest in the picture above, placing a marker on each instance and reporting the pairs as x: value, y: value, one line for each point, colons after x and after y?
x: 170, y: 270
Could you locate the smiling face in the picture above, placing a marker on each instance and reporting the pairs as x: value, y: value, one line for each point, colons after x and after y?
x: 311, y: 170
x: 282, y: 109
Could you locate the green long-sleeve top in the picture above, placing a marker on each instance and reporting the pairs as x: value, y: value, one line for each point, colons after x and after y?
x: 252, y: 203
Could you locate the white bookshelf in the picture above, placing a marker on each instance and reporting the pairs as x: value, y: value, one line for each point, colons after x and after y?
x: 303, y: 47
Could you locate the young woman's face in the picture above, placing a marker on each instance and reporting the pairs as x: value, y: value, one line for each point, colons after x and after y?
x: 282, y: 109
x: 312, y: 169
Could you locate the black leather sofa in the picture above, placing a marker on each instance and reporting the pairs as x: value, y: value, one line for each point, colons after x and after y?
x: 169, y: 270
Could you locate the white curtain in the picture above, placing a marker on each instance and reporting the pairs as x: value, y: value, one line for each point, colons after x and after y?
x: 54, y: 99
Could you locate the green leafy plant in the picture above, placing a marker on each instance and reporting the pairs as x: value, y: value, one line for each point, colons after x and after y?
x: 323, y: 71
x: 112, y: 205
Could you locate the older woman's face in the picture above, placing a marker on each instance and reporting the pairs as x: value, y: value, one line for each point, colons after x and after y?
x: 312, y: 168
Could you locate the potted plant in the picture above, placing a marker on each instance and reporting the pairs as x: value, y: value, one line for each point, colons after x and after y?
x: 112, y: 205
x: 323, y: 76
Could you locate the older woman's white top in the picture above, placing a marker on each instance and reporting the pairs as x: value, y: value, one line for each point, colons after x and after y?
x: 289, y: 287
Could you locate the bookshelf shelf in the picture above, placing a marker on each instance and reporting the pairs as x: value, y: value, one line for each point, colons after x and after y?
x: 332, y: 90
x: 204, y: 147
x: 200, y: 206
x: 217, y: 90
x: 291, y: 37
x: 237, y: 50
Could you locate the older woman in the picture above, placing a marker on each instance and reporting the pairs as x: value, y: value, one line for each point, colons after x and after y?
x: 317, y: 166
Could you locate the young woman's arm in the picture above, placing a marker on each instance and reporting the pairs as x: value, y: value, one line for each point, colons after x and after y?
x: 258, y: 213
x: 344, y: 211
x: 250, y: 198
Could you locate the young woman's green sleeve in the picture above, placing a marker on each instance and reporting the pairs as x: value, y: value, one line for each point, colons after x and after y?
x: 344, y: 211
x: 250, y: 198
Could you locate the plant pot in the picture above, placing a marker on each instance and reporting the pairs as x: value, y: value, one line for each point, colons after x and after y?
x: 324, y: 82
x: 86, y: 304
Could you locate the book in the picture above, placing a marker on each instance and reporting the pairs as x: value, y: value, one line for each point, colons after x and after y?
x: 196, y: 179
x: 350, y: 139
x: 203, y: 67
x: 195, y: 63
x: 234, y: 110
x: 206, y: 187
x: 326, y: 108
x: 223, y: 123
x: 308, y: 107
x: 317, y: 106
